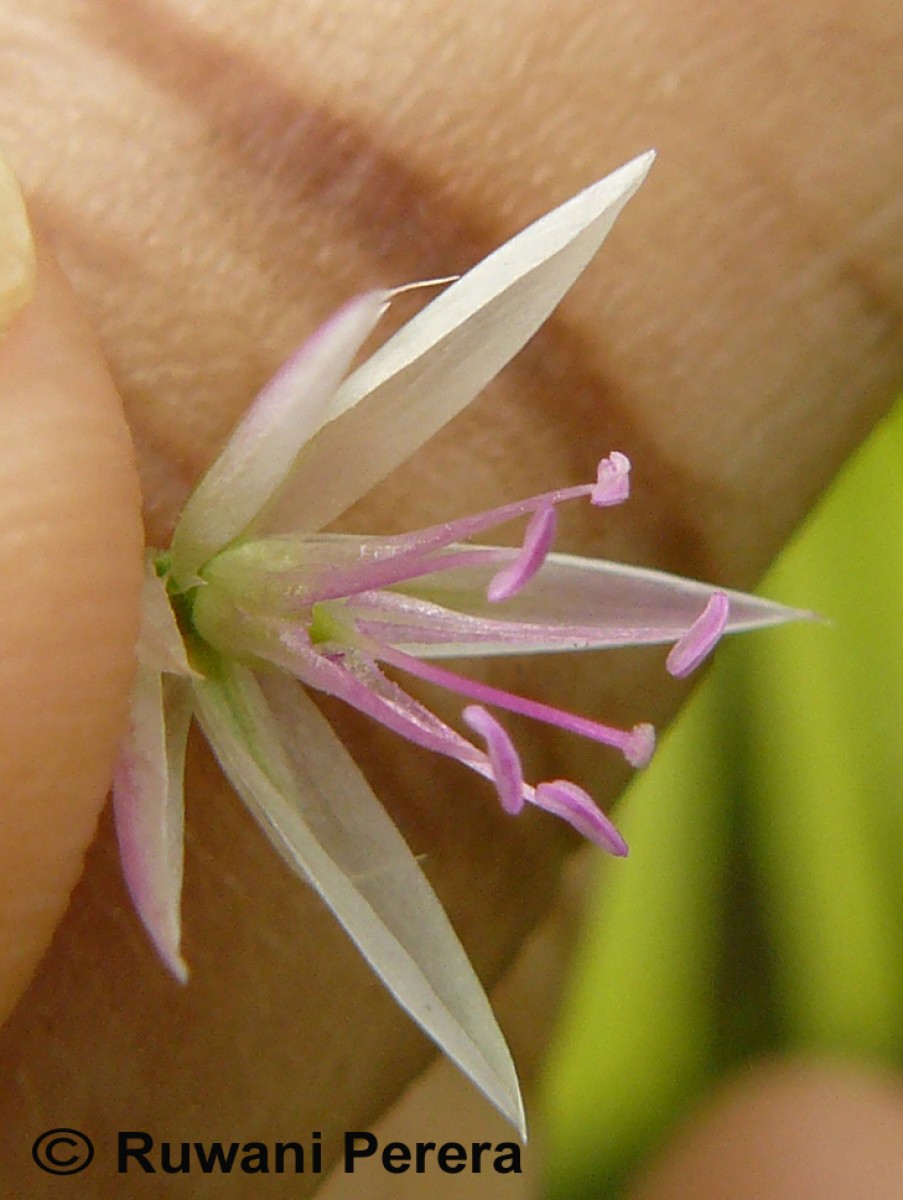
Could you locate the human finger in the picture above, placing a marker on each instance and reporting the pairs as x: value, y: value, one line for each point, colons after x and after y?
x: 70, y: 558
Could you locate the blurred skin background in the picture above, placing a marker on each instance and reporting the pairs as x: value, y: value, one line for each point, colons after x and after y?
x: 213, y: 183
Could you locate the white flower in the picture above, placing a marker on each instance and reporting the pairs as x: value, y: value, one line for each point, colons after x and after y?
x: 250, y: 602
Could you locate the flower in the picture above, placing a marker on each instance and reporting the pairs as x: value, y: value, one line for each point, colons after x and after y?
x: 250, y: 602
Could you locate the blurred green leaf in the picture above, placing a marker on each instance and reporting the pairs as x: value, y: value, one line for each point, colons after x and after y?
x: 762, y: 904
x: 826, y: 714
x: 635, y: 1038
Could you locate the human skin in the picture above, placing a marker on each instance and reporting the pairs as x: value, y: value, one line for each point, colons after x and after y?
x: 214, y: 180
x: 786, y: 1130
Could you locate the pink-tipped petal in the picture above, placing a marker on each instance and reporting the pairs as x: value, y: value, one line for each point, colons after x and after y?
x: 148, y: 807
x: 262, y: 452
x: 701, y: 638
x: 506, y: 768
x: 518, y: 573
x: 612, y: 481
x: 564, y: 799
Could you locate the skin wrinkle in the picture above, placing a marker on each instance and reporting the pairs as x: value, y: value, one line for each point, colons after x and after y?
x: 841, y: 258
x: 300, y: 147
x: 252, y: 90
x: 363, y: 186
x: 339, y: 164
x: 665, y: 539
x: 333, y: 162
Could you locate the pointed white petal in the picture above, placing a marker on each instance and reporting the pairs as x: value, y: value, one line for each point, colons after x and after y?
x: 571, y: 604
x: 263, y: 448
x: 148, y: 806
x: 314, y: 804
x: 160, y: 645
x: 433, y: 367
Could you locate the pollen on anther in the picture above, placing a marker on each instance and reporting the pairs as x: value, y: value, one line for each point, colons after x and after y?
x: 640, y: 745
x: 612, y: 480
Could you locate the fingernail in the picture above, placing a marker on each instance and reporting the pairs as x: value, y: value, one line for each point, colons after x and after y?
x: 17, y: 256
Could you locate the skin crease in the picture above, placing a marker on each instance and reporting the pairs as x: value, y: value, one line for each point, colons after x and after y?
x: 215, y: 180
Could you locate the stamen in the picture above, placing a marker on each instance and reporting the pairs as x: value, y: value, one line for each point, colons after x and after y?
x: 537, y: 543
x: 357, y: 681
x: 612, y: 480
x: 701, y: 638
x: 633, y: 743
x: 575, y: 806
x: 506, y: 768
x: 403, y: 557
x: 611, y: 487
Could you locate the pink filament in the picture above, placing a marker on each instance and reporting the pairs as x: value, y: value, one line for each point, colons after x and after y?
x: 404, y: 557
x: 635, y: 744
x: 435, y: 537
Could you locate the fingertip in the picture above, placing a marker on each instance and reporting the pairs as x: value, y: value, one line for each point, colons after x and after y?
x: 70, y: 577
